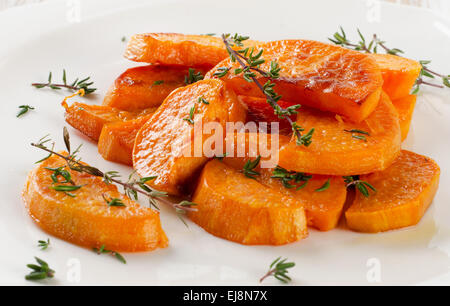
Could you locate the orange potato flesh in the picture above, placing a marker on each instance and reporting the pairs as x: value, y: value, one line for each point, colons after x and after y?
x: 318, y: 75
x: 239, y: 209
x: 405, y: 108
x: 399, y: 74
x: 143, y: 87
x: 90, y: 119
x: 116, y: 140
x: 323, y: 209
x: 86, y: 219
x: 164, y: 143
x: 334, y: 151
x: 177, y: 49
x: 404, y: 192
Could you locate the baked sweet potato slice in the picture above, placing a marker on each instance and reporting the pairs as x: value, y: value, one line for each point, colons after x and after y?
x: 323, y: 209
x: 144, y: 87
x: 167, y: 146
x: 399, y: 74
x: 405, y: 108
x: 90, y: 119
x: 116, y: 140
x: 404, y: 192
x: 85, y: 218
x: 239, y: 209
x: 177, y: 49
x: 342, y: 148
x: 318, y: 75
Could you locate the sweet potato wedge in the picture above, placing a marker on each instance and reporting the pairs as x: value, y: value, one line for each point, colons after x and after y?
x: 116, y: 140
x: 86, y: 219
x: 404, y: 192
x: 340, y: 148
x: 144, y: 87
x: 166, y: 145
x: 177, y: 49
x: 323, y: 209
x: 239, y: 209
x: 405, y: 108
x: 399, y: 74
x: 90, y: 119
x: 318, y: 75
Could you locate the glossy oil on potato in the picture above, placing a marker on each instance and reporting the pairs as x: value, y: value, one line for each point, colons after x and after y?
x: 335, y: 151
x: 258, y: 110
x: 86, y: 219
x: 405, y: 108
x: 323, y: 209
x: 399, y: 74
x: 116, y: 140
x: 239, y: 209
x: 165, y: 145
x: 144, y: 87
x: 318, y: 75
x: 90, y: 119
x: 177, y: 49
x: 404, y: 192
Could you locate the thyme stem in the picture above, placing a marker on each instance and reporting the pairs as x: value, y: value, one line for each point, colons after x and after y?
x: 240, y: 59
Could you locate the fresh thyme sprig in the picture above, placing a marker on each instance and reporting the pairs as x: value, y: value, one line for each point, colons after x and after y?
x: 249, y: 168
x: 279, y: 270
x: 23, y: 109
x: 102, y: 250
x: 74, y: 86
x: 113, y: 202
x: 44, y: 244
x: 158, y: 82
x: 193, y: 76
x: 132, y: 187
x: 291, y: 179
x: 362, y: 133
x: 250, y: 61
x: 40, y: 271
x: 325, y: 186
x: 340, y: 38
x: 190, y: 118
x: 361, y: 186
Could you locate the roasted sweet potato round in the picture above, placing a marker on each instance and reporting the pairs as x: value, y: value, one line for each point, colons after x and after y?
x: 166, y: 145
x: 177, y: 49
x: 237, y: 208
x: 404, y: 191
x: 84, y: 218
x: 343, y: 148
x: 144, y: 87
x: 318, y: 75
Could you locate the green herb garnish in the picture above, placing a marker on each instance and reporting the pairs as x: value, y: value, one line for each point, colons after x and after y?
x: 40, y: 271
x: 44, y: 244
x: 249, y: 167
x: 361, y: 186
x: 103, y: 250
x: 324, y: 186
x: 76, y: 85
x: 193, y: 77
x: 23, y: 109
x: 279, y: 270
x: 291, y: 179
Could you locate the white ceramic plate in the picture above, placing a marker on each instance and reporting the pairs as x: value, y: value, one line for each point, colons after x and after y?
x: 94, y: 47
